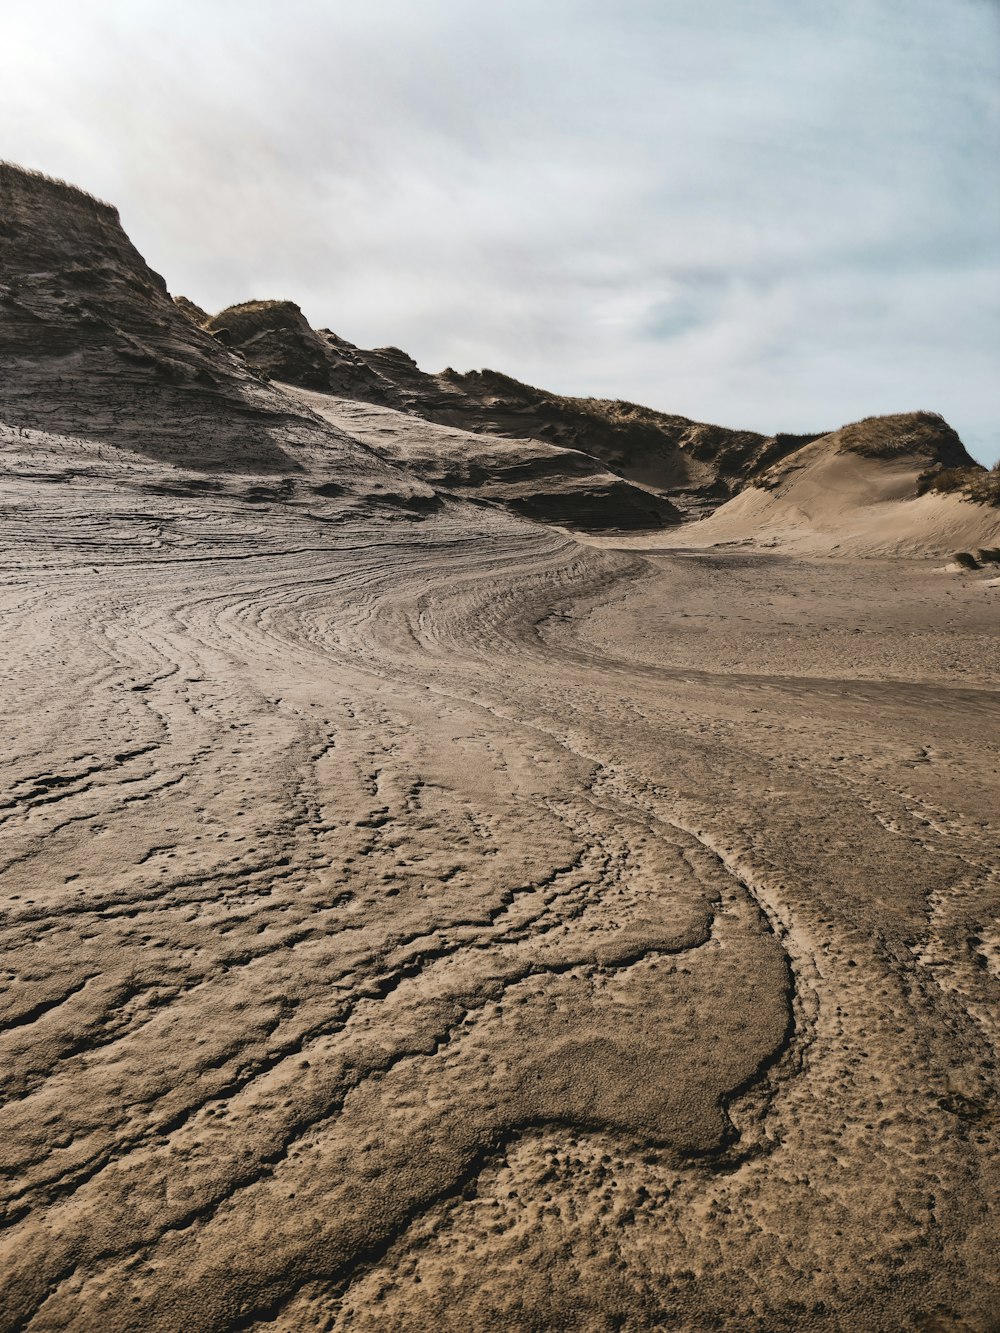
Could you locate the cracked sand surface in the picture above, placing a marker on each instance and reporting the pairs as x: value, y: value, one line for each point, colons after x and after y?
x: 406, y: 927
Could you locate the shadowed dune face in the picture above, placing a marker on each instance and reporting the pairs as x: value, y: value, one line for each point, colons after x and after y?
x: 415, y: 917
x: 93, y: 352
x: 91, y: 343
x: 697, y: 466
x: 92, y: 346
x: 539, y: 481
x: 276, y: 339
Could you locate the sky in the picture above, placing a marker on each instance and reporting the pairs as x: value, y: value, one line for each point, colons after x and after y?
x: 769, y: 215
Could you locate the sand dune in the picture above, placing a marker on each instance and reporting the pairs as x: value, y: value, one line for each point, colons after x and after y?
x: 540, y: 481
x: 829, y: 498
x: 419, y: 917
x: 689, y: 463
x: 92, y: 347
x: 670, y: 461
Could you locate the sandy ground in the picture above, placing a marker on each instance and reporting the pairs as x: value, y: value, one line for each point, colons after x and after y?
x: 436, y: 923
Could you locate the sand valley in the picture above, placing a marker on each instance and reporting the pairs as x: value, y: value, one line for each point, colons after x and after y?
x: 471, y: 859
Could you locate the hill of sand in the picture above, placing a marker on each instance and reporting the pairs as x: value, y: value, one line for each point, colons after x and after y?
x: 540, y: 481
x: 415, y: 917
x: 531, y: 477
x: 92, y: 348
x: 693, y: 465
x: 687, y: 465
x: 861, y: 491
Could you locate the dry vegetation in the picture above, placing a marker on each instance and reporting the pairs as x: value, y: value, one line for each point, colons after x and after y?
x: 40, y: 187
x: 910, y: 435
x: 974, y: 483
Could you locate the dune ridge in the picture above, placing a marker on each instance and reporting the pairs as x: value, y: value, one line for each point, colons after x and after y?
x: 692, y: 466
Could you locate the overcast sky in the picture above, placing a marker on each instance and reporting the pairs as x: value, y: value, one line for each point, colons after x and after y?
x: 778, y: 214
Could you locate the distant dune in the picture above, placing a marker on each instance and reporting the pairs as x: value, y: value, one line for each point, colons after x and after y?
x: 792, y: 491
x: 540, y: 477
x: 693, y: 465
x: 867, y: 489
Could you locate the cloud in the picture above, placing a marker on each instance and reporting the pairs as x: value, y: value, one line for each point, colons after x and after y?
x: 765, y: 215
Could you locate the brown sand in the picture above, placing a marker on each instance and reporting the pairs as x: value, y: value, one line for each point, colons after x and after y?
x: 827, y: 501
x: 445, y: 924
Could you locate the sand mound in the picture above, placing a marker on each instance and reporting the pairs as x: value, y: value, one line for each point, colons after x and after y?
x: 95, y: 354
x: 276, y: 339
x: 191, y: 311
x: 93, y: 347
x: 861, y: 490
x: 86, y: 320
x: 685, y: 468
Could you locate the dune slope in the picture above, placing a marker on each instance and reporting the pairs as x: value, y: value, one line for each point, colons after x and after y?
x: 866, y: 489
x: 692, y: 464
x: 93, y: 348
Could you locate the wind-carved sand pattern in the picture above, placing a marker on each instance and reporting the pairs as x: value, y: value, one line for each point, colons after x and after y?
x: 328, y: 935
x: 400, y: 941
x: 416, y: 918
